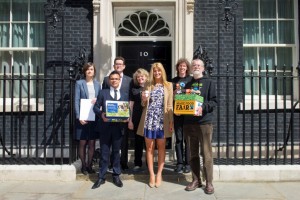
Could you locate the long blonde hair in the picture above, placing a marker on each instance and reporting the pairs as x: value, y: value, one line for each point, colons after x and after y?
x: 161, y: 68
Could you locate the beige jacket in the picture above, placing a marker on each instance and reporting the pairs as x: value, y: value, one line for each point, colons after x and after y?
x: 168, y: 111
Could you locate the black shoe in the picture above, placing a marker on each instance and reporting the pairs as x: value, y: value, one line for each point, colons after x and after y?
x: 99, y: 182
x: 178, y: 168
x: 137, y: 168
x: 84, y: 171
x: 110, y: 169
x: 90, y: 170
x: 187, y: 169
x: 117, y: 181
x: 124, y: 167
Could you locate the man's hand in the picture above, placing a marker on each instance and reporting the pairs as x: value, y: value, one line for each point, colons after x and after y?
x: 199, y: 111
x: 103, y: 117
x: 130, y: 125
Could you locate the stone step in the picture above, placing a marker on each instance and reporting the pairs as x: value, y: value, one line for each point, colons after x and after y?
x: 142, y: 174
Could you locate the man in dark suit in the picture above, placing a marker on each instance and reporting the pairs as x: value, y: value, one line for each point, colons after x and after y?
x: 110, y: 132
x: 119, y: 66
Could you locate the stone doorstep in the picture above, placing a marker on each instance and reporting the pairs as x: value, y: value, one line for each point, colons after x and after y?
x: 37, y: 172
x: 221, y: 173
x: 246, y: 173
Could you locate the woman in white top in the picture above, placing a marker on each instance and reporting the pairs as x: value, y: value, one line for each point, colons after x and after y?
x: 87, y: 88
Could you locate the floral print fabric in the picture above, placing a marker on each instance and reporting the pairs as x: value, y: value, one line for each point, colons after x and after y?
x: 154, y: 122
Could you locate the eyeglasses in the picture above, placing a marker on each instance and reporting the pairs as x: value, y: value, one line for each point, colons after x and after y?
x: 119, y: 64
x: 114, y: 79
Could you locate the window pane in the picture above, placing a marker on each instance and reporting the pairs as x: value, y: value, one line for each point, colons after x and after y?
x: 268, y: 32
x: 4, y: 10
x: 37, y: 35
x: 286, y: 9
x: 19, y: 10
x: 284, y: 84
x: 286, y: 32
x: 284, y: 57
x: 19, y: 36
x: 21, y: 62
x: 268, y: 8
x: 4, y: 35
x: 37, y: 60
x: 250, y: 58
x: 266, y: 57
x: 251, y: 83
x: 37, y: 10
x: 250, y: 8
x: 5, y: 61
x: 251, y: 32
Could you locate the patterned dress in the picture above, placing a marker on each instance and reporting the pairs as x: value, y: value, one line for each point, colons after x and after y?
x: 154, y: 123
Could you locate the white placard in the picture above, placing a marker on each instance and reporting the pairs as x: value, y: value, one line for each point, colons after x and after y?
x: 86, y: 110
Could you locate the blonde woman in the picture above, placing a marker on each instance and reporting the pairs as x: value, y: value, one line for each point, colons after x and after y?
x: 157, y: 119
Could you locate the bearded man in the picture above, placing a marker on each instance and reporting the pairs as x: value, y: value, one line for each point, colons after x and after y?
x: 199, y: 129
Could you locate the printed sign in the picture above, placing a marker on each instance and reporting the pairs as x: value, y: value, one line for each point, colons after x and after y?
x: 117, y: 109
x: 187, y: 104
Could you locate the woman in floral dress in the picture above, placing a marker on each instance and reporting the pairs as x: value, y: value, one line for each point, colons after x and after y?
x: 157, y: 119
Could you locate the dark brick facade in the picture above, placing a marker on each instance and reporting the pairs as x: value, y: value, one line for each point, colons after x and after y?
x: 226, y: 48
x: 78, y: 34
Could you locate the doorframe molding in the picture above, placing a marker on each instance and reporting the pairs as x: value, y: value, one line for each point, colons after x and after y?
x: 104, y: 39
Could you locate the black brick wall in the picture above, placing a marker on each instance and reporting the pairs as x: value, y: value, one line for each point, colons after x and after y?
x: 210, y: 33
x: 78, y: 29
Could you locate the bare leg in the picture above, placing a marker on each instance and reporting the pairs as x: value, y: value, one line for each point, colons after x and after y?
x: 161, y: 146
x: 149, y: 155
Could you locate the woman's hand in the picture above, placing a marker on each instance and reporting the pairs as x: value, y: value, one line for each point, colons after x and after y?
x: 83, y: 122
x: 93, y: 101
x: 145, y: 95
x: 171, y: 127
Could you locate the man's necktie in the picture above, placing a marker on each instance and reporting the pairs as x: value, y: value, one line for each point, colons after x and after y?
x: 115, y: 96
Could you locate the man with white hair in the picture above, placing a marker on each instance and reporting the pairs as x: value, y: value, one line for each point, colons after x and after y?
x: 198, y: 129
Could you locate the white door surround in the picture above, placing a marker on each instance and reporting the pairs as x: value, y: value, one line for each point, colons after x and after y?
x: 107, y: 14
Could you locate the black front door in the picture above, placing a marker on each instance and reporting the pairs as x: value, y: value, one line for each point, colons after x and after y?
x: 143, y: 54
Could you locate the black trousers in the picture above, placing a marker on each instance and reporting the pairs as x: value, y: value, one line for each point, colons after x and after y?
x: 181, y: 146
x: 124, y: 147
x: 139, y: 144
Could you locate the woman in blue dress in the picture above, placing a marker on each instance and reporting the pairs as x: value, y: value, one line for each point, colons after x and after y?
x: 157, y: 119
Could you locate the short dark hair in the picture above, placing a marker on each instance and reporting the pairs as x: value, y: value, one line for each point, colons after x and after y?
x: 119, y: 58
x: 112, y: 73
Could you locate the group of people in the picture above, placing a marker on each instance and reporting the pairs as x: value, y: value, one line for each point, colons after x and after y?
x: 151, y: 99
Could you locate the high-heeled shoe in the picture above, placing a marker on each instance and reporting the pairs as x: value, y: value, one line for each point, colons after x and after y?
x: 151, y: 185
x: 152, y: 182
x: 84, y: 171
x: 158, y: 181
x: 90, y: 170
